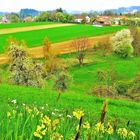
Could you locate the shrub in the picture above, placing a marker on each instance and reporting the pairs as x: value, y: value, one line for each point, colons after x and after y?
x: 125, y: 51
x: 136, y: 84
x: 104, y: 47
x: 122, y: 43
x: 122, y: 88
x: 104, y: 91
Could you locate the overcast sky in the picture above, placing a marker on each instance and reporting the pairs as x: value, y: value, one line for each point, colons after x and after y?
x: 16, y: 5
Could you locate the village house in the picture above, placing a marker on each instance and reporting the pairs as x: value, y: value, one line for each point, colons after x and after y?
x: 4, y: 20
x: 119, y: 20
x: 103, y: 20
x: 80, y: 18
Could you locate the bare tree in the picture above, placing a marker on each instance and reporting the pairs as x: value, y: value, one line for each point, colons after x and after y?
x: 81, y: 45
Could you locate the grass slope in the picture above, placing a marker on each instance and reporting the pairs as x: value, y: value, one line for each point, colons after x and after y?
x: 84, y: 78
x: 58, y: 34
x: 14, y: 25
x: 123, y: 110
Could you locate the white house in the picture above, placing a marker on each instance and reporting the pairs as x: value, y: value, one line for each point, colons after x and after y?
x: 78, y: 20
x: 87, y: 19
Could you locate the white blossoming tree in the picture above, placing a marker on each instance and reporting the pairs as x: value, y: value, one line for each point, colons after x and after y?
x: 122, y: 43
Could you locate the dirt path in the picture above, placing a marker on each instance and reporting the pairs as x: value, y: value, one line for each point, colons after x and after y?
x: 30, y: 28
x: 60, y: 48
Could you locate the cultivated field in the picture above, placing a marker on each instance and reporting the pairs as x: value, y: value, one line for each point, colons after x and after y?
x: 57, y: 34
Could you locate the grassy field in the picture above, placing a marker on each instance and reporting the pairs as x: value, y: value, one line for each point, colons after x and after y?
x: 58, y: 34
x: 76, y: 97
x: 15, y: 25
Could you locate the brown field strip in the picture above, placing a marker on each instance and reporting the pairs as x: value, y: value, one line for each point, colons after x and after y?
x: 60, y: 48
x: 30, y: 28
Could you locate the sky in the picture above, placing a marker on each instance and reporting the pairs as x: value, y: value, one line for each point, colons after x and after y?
x: 69, y: 5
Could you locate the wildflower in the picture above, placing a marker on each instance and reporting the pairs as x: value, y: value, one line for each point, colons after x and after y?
x: 36, y: 134
x: 39, y: 131
x: 55, y: 122
x: 109, y: 129
x: 56, y: 110
x: 78, y: 114
x: 46, y: 120
x: 38, y: 128
x: 131, y: 135
x: 8, y: 114
x: 56, y: 136
x: 42, y: 108
x: 123, y: 132
x: 44, y: 132
x: 14, y: 101
x: 86, y: 125
x: 28, y: 109
x: 53, y: 113
x: 99, y: 129
x: 69, y: 116
x: 60, y: 115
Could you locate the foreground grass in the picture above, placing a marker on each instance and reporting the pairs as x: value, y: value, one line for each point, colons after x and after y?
x: 15, y: 25
x: 58, y: 34
x: 121, y: 110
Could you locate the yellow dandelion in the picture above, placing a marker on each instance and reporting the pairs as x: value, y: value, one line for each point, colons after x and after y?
x: 109, y: 129
x: 131, y: 135
x: 44, y: 132
x: 78, y: 114
x: 56, y: 136
x: 99, y: 129
x: 86, y: 125
x: 55, y: 122
x: 46, y: 120
x: 36, y: 134
x: 123, y: 132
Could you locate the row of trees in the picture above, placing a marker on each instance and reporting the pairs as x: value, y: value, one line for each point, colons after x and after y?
x: 56, y: 16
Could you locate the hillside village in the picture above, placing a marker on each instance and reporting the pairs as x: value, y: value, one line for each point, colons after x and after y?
x: 107, y: 18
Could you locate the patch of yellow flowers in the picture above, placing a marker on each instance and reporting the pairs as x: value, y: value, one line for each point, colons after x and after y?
x: 78, y: 114
x: 124, y: 133
x: 48, y: 126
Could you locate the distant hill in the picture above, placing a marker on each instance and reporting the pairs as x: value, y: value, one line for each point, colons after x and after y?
x: 28, y: 12
x: 122, y: 10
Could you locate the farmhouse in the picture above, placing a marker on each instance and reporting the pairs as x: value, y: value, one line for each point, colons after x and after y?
x: 80, y: 18
x: 103, y: 20
x: 119, y: 20
x: 4, y: 20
